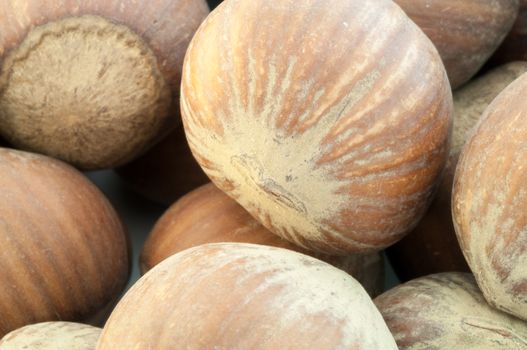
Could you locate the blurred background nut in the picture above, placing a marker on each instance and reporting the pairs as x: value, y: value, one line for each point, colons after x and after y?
x: 166, y: 172
x: 514, y: 46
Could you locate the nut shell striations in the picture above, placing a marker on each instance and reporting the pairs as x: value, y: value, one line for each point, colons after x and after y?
x: 447, y: 311
x: 207, y: 215
x: 432, y: 246
x: 331, y: 135
x: 466, y: 33
x: 64, y: 250
x: 489, y: 199
x: 245, y: 296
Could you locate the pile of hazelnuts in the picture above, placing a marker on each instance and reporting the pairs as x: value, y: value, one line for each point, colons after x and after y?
x: 297, y: 144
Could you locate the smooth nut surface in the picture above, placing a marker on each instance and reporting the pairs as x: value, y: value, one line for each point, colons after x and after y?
x: 245, y: 296
x: 64, y: 250
x: 332, y: 135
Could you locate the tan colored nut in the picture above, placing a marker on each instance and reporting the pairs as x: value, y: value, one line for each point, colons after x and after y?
x: 447, y: 311
x: 56, y: 335
x: 92, y: 82
x: 245, y: 296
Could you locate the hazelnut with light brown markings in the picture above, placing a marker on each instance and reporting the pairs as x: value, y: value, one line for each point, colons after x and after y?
x: 56, y: 335
x: 331, y: 134
x: 92, y: 82
x: 432, y: 246
x: 447, y: 311
x: 64, y: 250
x: 489, y: 200
x: 466, y: 33
x: 245, y: 296
x: 207, y: 215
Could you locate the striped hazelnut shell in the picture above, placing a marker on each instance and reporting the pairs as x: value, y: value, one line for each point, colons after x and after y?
x: 466, y: 33
x: 489, y: 199
x: 245, y: 296
x: 448, y: 311
x: 331, y: 134
x: 64, y: 249
x: 432, y: 246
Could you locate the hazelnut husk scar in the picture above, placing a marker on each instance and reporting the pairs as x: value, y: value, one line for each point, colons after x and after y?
x: 92, y: 84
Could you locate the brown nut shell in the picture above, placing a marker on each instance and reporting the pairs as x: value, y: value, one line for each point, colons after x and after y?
x: 489, y: 200
x: 166, y: 172
x: 245, y: 296
x: 514, y: 47
x: 64, y: 250
x: 432, y: 246
x: 108, y: 75
x: 207, y: 215
x: 56, y: 335
x: 331, y: 135
x: 466, y: 33
x: 447, y: 311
